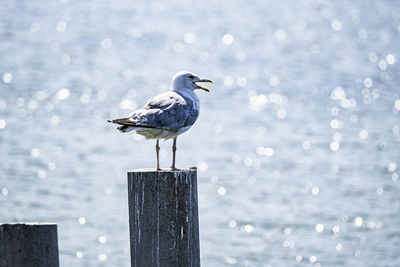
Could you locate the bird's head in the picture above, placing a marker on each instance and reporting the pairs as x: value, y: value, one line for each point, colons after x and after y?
x: 188, y: 80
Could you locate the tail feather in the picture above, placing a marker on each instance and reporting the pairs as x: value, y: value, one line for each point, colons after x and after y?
x: 127, y: 125
x: 123, y: 121
x: 125, y: 128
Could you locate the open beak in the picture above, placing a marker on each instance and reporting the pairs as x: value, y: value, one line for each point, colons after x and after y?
x: 202, y: 81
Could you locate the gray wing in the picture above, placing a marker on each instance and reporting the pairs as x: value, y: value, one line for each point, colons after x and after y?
x: 169, y: 111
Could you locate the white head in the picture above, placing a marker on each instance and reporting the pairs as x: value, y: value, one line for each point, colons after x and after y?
x: 187, y: 80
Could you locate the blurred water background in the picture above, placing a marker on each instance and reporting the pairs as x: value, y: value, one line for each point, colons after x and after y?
x: 297, y: 145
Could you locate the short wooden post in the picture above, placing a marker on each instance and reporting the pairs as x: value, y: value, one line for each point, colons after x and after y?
x: 28, y: 245
x: 163, y: 218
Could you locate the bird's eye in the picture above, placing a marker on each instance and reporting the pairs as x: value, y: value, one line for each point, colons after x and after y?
x: 191, y: 77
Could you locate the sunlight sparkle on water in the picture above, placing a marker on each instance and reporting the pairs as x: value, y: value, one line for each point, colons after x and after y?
x: 7, y: 77
x: 82, y: 220
x: 41, y: 174
x: 41, y: 95
x: 257, y: 101
x: 363, y: 134
x: 102, y: 257
x: 61, y: 26
x: 392, y: 166
x: 337, y: 137
x: 358, y: 221
x: 336, y: 229
x: 236, y: 159
x: 248, y: 161
x: 280, y: 35
x: 240, y: 56
x: 319, y: 228
x: 232, y: 224
x: 304, y: 126
x: 102, y: 239
x: 338, y: 93
x: 62, y: 94
x: 230, y: 260
x: 127, y: 104
x: 4, y: 191
x: 390, y: 59
x: 227, y: 39
x: 55, y: 120
x: 281, y: 114
x: 335, y: 112
x: 334, y: 168
x: 379, y: 191
x: 228, y: 81
x: 265, y: 151
x: 33, y: 104
x: 202, y: 166
x: 288, y: 244
x: 241, y: 81
x: 221, y: 191
x: 315, y: 191
x: 395, y: 129
x: 248, y: 228
x: 306, y: 145
x: 49, y: 107
x: 287, y: 231
x: 336, y: 25
x: 20, y: 102
x: 334, y: 146
x: 397, y: 104
x: 79, y: 254
x: 35, y: 152
x: 368, y: 82
x: 336, y: 124
x: 214, y: 179
x: 189, y: 38
x: 373, y: 57
x: 354, y: 118
x: 382, y: 65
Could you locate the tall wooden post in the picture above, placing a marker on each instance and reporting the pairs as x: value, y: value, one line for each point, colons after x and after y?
x: 29, y: 245
x: 163, y: 218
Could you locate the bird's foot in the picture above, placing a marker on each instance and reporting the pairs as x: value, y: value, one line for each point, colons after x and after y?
x: 175, y: 169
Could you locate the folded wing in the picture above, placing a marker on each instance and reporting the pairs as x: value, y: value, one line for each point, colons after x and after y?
x: 169, y: 111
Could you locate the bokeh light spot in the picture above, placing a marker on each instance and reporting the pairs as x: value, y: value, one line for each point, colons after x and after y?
x: 227, y: 39
x: 7, y: 77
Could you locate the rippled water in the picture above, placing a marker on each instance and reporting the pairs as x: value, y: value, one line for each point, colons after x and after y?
x: 297, y: 145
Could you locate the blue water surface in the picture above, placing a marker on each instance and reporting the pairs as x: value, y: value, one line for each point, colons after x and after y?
x: 297, y: 145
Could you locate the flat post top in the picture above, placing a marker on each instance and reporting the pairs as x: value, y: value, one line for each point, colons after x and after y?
x: 28, y: 224
x: 163, y: 171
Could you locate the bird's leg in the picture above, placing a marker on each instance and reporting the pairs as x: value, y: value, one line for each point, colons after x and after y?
x: 173, y: 154
x: 158, y: 156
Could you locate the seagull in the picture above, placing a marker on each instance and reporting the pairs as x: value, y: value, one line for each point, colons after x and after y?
x: 169, y: 114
